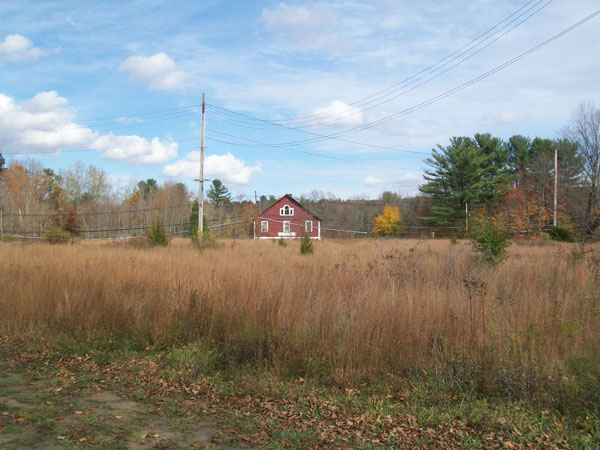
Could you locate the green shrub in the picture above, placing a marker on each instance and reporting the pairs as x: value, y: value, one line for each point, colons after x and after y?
x: 207, y: 240
x: 544, y: 236
x: 306, y: 245
x: 282, y: 242
x: 156, y: 235
x: 561, y: 234
x: 491, y: 242
x: 58, y: 236
x: 453, y: 240
x: 8, y: 237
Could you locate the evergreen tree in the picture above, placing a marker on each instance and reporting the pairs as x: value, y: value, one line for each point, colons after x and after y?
x: 2, y: 162
x: 147, y: 188
x: 468, y: 171
x: 218, y: 193
x: 194, y: 221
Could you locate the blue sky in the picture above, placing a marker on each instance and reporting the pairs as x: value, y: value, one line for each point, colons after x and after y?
x: 117, y: 83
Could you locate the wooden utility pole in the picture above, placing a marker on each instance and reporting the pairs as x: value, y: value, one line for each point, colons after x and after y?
x: 466, y: 218
x: 555, y: 185
x: 201, y: 180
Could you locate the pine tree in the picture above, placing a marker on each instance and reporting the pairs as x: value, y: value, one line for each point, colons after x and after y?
x: 468, y: 171
x: 194, y: 221
x: 218, y: 193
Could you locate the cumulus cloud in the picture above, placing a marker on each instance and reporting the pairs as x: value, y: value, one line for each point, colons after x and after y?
x: 339, y: 113
x: 41, y: 123
x: 44, y: 102
x: 135, y: 149
x: 159, y: 71
x: 46, y: 123
x: 372, y: 181
x: 307, y: 26
x: 225, y: 167
x: 16, y: 47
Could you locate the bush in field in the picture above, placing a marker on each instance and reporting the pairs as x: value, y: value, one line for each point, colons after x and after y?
x: 544, y: 236
x: 207, y: 240
x: 491, y: 242
x: 306, y: 245
x: 282, y: 242
x: 72, y: 221
x: 58, y: 236
x: 8, y: 237
x: 156, y: 235
x: 561, y: 234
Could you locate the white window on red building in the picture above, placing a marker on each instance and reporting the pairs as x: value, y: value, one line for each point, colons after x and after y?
x: 286, y: 211
x: 286, y: 226
x: 308, y: 227
x: 264, y: 226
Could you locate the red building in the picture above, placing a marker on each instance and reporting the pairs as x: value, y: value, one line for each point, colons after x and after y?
x: 287, y: 219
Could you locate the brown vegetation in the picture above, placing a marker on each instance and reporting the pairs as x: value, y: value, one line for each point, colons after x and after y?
x: 352, y: 309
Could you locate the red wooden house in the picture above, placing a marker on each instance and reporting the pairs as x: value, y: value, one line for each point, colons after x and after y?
x: 288, y: 219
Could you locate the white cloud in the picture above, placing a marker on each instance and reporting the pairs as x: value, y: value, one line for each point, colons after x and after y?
x: 225, y: 167
x: 44, y: 102
x: 409, y: 183
x: 159, y: 71
x: 339, y: 113
x: 46, y: 123
x: 41, y: 123
x: 307, y: 26
x: 135, y: 149
x: 372, y: 181
x: 16, y: 47
x: 503, y: 118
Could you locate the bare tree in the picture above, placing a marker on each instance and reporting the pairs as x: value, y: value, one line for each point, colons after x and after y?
x: 584, y: 129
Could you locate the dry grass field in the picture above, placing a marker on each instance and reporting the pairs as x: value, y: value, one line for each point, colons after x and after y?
x: 352, y: 312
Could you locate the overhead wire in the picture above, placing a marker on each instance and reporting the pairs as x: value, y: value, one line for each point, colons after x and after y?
x: 436, y: 67
x: 365, y: 163
x: 336, y: 136
x: 474, y: 43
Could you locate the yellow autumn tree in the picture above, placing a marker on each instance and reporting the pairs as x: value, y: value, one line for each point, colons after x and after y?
x: 388, y: 222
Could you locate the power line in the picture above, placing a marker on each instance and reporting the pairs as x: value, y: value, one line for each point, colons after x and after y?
x: 474, y: 43
x: 429, y: 70
x: 328, y: 157
x: 131, y: 116
x: 267, y: 144
x: 42, y: 133
x: 40, y: 152
x: 336, y: 136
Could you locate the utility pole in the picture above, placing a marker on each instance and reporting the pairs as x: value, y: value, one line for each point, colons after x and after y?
x: 201, y: 180
x: 555, y: 184
x: 466, y: 217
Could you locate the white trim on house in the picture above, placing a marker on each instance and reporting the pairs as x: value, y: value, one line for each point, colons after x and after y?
x: 286, y: 210
x: 286, y: 226
x: 308, y: 226
x: 264, y: 226
x: 286, y: 234
x: 286, y: 237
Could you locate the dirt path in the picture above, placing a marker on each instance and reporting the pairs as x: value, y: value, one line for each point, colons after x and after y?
x: 55, y: 412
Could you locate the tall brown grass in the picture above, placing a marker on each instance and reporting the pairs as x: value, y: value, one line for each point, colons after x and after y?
x: 351, y: 309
